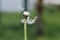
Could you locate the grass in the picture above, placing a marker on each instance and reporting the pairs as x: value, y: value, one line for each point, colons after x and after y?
x: 12, y: 29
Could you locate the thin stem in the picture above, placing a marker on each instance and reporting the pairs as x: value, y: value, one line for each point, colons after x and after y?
x: 25, y: 30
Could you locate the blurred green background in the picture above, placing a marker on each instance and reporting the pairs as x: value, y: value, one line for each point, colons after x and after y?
x: 12, y: 29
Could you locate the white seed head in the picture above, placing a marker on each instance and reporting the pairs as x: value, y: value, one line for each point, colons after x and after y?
x: 26, y: 13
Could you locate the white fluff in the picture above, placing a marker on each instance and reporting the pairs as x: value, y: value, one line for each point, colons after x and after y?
x: 29, y: 21
x: 26, y: 13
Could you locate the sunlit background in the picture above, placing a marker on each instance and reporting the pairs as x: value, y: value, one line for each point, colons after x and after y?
x: 11, y: 12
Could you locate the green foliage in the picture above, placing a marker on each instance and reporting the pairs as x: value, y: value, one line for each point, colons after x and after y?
x: 12, y: 29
